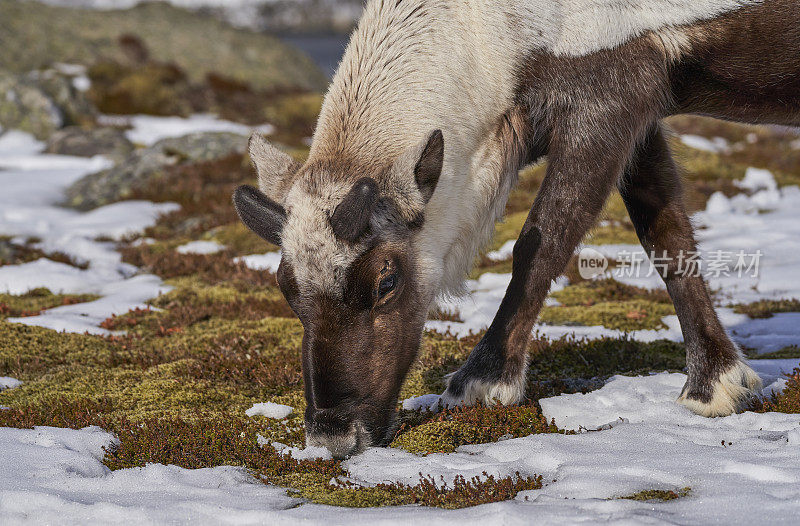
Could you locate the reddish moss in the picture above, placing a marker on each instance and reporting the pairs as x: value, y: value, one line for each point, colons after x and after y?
x: 789, y: 400
x: 34, y: 302
x: 210, y: 268
x: 462, y: 493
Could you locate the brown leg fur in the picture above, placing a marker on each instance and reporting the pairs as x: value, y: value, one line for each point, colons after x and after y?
x: 719, y: 382
x: 578, y: 182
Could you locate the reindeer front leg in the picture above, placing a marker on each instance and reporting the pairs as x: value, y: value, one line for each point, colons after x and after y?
x: 584, y: 165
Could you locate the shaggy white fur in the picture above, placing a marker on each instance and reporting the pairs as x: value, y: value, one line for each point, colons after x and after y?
x: 414, y: 66
x: 732, y: 391
x: 487, y: 394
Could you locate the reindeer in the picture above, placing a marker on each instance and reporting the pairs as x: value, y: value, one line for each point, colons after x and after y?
x: 435, y: 107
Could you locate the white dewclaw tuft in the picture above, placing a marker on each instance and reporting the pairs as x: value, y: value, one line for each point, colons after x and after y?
x: 487, y: 394
x: 732, y: 391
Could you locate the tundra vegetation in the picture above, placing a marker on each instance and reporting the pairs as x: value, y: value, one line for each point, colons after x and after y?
x: 174, y: 380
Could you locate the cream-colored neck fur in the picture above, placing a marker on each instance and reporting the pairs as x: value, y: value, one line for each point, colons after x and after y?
x: 414, y: 66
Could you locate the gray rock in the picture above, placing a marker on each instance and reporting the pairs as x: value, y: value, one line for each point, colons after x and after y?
x: 41, y: 102
x: 73, y: 104
x: 88, y: 142
x: 119, y: 182
x: 35, y: 35
x: 27, y: 107
x: 198, y: 147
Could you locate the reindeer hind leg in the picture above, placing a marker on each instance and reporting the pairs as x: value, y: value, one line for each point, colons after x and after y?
x: 719, y: 381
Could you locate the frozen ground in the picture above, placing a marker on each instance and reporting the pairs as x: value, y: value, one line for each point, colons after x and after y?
x: 741, y: 469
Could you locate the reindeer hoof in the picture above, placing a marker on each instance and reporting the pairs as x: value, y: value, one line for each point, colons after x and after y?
x: 733, y: 391
x: 462, y: 391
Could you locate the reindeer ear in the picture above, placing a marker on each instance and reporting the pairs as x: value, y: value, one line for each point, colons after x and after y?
x: 429, y: 165
x: 259, y: 213
x: 424, y: 163
x: 272, y: 166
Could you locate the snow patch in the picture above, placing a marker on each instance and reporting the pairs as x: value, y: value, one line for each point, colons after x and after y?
x: 714, y: 145
x: 757, y: 179
x: 270, y: 410
x: 503, y: 253
x: 308, y: 453
x: 200, y: 247
x: 269, y: 261
x: 14, y: 142
x: 148, y: 130
x: 33, y: 186
x: 6, y: 382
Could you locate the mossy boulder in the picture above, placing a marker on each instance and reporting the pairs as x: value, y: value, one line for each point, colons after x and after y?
x: 88, y: 142
x: 141, y: 166
x: 41, y: 102
x: 37, y: 35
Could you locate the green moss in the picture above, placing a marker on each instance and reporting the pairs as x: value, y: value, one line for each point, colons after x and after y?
x: 568, y: 358
x: 792, y: 351
x: 461, y: 493
x: 162, y: 390
x: 767, y: 308
x: 35, y: 301
x: 623, y: 316
x: 295, y: 114
x: 475, y: 425
x: 611, y: 234
x: 27, y: 352
x: 239, y: 239
x: 588, y: 293
x: 658, y: 495
x: 508, y: 229
x: 523, y: 194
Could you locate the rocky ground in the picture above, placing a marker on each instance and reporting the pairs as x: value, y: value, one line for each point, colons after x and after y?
x: 163, y: 325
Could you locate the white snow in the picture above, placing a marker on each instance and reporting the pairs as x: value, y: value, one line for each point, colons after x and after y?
x: 270, y: 410
x: 33, y: 186
x: 715, y: 145
x: 148, y: 130
x: 200, y: 247
x: 502, y: 253
x: 6, y: 382
x: 269, y: 261
x: 14, y: 142
x: 757, y: 179
x: 307, y: 453
x: 55, y: 476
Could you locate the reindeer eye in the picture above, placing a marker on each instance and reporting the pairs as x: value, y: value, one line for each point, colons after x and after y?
x: 387, y: 285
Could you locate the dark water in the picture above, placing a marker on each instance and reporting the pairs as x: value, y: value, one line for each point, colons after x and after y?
x: 326, y: 50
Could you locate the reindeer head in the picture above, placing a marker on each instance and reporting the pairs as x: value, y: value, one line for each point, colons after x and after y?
x: 350, y: 271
